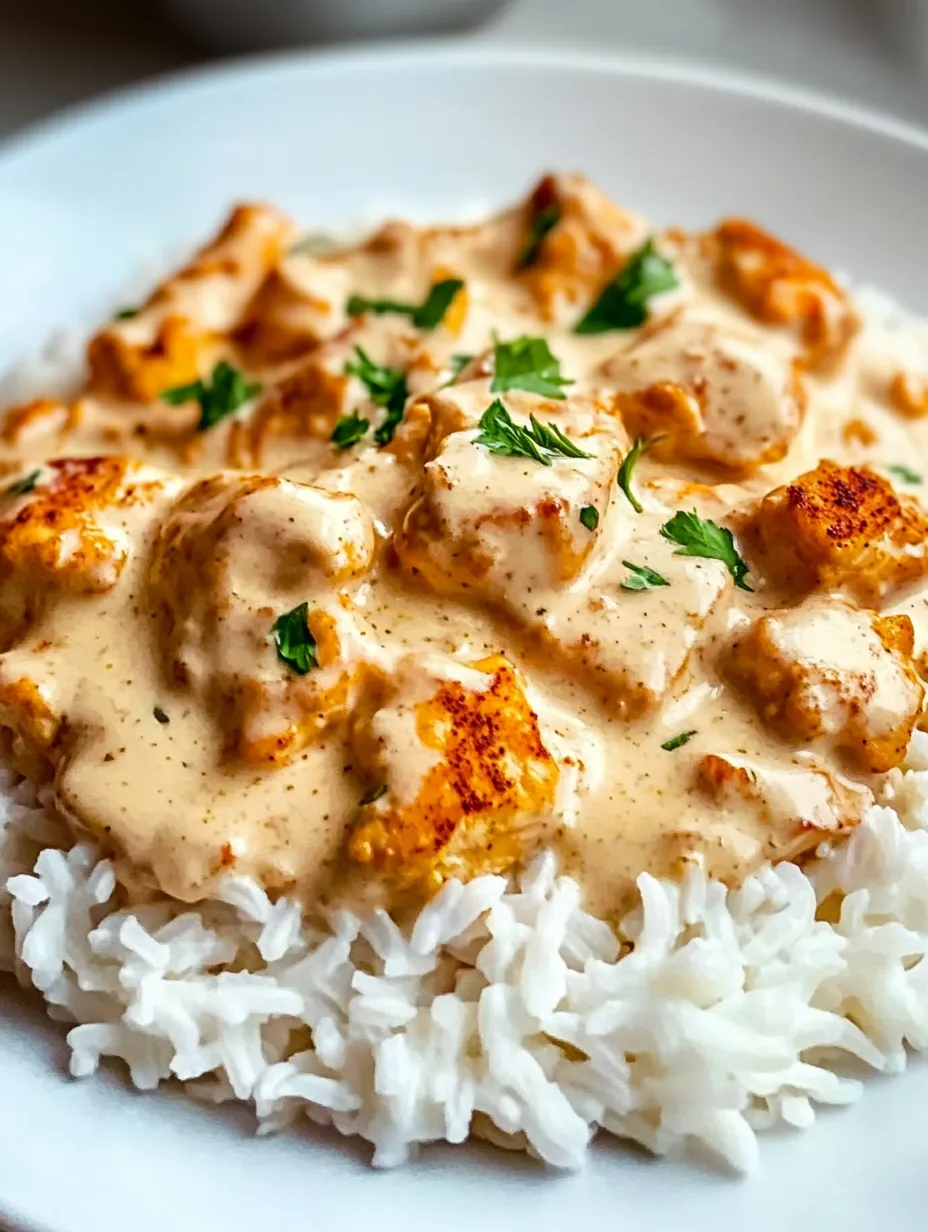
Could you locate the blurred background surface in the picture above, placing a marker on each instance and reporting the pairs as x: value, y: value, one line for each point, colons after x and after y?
x: 56, y: 52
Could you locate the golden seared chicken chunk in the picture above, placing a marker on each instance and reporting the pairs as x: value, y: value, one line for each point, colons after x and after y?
x: 839, y: 527
x: 170, y: 339
x: 574, y: 239
x: 24, y: 425
x: 68, y: 529
x: 247, y: 584
x: 465, y: 773
x: 715, y: 389
x: 779, y: 286
x: 771, y: 812
x: 69, y: 525
x: 365, y: 374
x: 830, y: 673
x: 502, y: 526
x: 908, y: 393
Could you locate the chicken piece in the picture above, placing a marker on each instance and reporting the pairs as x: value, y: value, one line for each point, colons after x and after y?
x: 44, y: 417
x: 70, y: 526
x: 908, y: 394
x: 308, y: 402
x: 237, y: 553
x: 466, y: 772
x: 715, y: 390
x: 830, y: 673
x: 499, y: 527
x: 167, y: 341
x: 779, y: 286
x: 839, y: 527
x: 590, y: 238
x: 629, y: 646
x: 781, y: 812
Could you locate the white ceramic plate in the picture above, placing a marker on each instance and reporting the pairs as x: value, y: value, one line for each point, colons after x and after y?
x: 86, y: 201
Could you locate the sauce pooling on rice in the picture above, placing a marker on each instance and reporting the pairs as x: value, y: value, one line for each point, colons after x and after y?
x: 359, y: 569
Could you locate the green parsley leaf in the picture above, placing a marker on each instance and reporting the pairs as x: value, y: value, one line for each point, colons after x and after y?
x: 702, y: 537
x: 19, y: 487
x: 623, y: 302
x: 224, y: 393
x: 675, y: 742
x: 160, y: 715
x: 374, y: 794
x: 386, y: 386
x: 426, y: 315
x: 125, y: 314
x: 905, y: 474
x: 500, y: 435
x: 458, y: 364
x: 527, y: 363
x: 431, y: 311
x: 640, y: 446
x: 642, y: 578
x: 349, y: 430
x: 296, y: 646
x: 544, y: 221
x: 589, y: 516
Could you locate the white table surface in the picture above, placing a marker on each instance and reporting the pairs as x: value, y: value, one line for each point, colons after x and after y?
x: 57, y: 52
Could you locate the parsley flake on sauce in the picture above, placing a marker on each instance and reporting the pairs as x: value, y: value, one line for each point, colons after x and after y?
x: 160, y: 715
x: 125, y: 314
x: 527, y: 363
x: 296, y: 646
x: 426, y: 315
x: 702, y: 537
x: 905, y: 474
x: 589, y: 516
x: 624, y: 478
x: 676, y: 742
x: 19, y: 487
x: 623, y: 301
x: 349, y: 430
x: 224, y: 392
x: 540, y: 442
x: 545, y: 220
x: 642, y: 578
x: 374, y: 794
x: 387, y: 388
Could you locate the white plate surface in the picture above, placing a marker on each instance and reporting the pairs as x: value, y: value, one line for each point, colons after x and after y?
x: 83, y: 204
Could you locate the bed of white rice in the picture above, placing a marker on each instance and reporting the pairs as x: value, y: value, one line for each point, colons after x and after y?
x: 507, y: 1010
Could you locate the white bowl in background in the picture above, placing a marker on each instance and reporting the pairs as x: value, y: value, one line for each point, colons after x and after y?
x: 246, y: 25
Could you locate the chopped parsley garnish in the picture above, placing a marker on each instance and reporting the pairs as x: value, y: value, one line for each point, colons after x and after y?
x: 527, y: 363
x: 541, y: 441
x: 624, y: 478
x: 375, y: 793
x: 296, y: 646
x: 642, y: 578
x: 623, y: 302
x: 125, y: 314
x: 589, y: 516
x: 702, y: 537
x: 426, y: 315
x: 349, y: 430
x: 160, y: 715
x: 225, y: 391
x: 458, y: 364
x: 675, y: 742
x: 905, y: 474
x: 20, y: 487
x: 387, y: 388
x: 545, y: 220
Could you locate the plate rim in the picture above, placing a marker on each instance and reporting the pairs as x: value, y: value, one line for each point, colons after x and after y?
x: 470, y: 51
